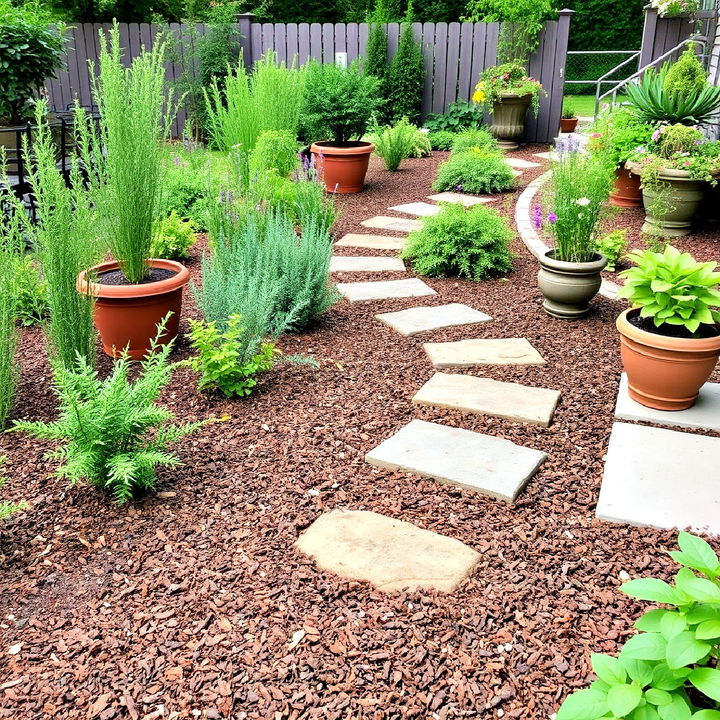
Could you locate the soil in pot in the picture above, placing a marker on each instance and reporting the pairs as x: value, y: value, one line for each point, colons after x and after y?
x: 342, y: 166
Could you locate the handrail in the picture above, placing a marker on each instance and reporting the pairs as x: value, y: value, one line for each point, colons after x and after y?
x: 602, y: 78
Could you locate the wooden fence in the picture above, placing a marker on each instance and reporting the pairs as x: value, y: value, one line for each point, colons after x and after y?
x: 454, y: 55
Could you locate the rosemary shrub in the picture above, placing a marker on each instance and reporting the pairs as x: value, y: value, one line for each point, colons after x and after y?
x: 8, y: 331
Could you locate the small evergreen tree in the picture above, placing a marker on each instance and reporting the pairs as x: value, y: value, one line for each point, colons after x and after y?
x: 376, y: 63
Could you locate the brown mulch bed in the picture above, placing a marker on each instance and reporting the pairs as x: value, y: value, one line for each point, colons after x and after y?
x: 182, y: 604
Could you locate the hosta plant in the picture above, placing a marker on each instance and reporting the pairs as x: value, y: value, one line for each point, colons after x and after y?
x: 669, y: 671
x: 672, y: 288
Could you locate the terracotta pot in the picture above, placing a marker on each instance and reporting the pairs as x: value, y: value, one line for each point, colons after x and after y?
x: 569, y: 287
x: 342, y: 166
x: 568, y: 125
x: 627, y: 192
x: 508, y: 119
x: 665, y: 373
x: 128, y: 315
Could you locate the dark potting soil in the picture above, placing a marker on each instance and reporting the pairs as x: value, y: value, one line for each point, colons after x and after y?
x: 675, y: 331
x: 117, y: 277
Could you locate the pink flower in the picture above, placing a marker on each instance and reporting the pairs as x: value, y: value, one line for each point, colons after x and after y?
x: 595, y: 135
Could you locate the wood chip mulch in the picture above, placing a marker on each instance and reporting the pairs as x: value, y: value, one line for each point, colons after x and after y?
x: 193, y: 603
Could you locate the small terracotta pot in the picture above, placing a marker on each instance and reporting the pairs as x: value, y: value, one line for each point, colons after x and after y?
x: 568, y: 125
x: 127, y: 316
x: 508, y: 119
x: 568, y: 287
x: 627, y: 192
x: 665, y: 373
x: 342, y: 166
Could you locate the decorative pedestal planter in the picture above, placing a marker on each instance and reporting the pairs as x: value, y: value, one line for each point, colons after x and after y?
x: 665, y: 373
x: 568, y: 125
x: 342, y: 167
x: 627, y: 192
x: 128, y: 315
x: 569, y: 287
x: 508, y: 119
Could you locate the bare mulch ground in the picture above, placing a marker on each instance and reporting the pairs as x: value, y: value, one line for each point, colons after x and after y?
x: 183, y: 604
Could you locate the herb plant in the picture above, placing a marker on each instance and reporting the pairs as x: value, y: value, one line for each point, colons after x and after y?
x: 173, y: 239
x: 7, y: 508
x: 619, y: 133
x: 460, y: 115
x: 275, y: 150
x: 568, y: 109
x: 476, y: 171
x: 672, y: 288
x: 669, y: 670
x: 394, y: 144
x: 613, y: 246
x: 8, y: 331
x: 441, y: 139
x: 31, y: 305
x: 468, y: 140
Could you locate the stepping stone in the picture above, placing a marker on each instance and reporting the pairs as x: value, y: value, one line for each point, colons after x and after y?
x: 374, y: 242
x: 517, y: 173
x: 489, y: 465
x: 484, y: 396
x: 385, y: 222
x: 422, y: 319
x: 466, y: 353
x: 704, y: 414
x: 352, y: 263
x: 385, y: 289
x: 466, y: 200
x: 389, y: 554
x: 545, y: 155
x: 661, y: 478
x: 417, y: 208
x: 520, y: 164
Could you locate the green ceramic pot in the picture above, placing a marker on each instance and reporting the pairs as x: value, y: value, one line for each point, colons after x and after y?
x: 508, y: 119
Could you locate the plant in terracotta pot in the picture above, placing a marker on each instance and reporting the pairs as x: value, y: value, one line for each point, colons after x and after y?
x: 339, y: 103
x: 568, y: 117
x: 675, y: 168
x: 569, y: 275
x: 126, y: 169
x: 670, y: 338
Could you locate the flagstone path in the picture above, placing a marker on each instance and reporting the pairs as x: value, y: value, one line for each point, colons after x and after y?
x: 466, y: 353
x: 372, y: 242
x: 434, y: 317
x: 363, y: 263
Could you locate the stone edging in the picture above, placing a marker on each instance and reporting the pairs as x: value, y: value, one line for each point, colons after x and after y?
x: 532, y: 239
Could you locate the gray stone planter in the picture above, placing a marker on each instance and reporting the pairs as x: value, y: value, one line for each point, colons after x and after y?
x: 508, y: 119
x: 569, y: 287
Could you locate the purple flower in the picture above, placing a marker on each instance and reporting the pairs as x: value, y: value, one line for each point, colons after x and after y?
x: 458, y: 188
x: 176, y: 160
x: 537, y: 220
x: 552, y: 218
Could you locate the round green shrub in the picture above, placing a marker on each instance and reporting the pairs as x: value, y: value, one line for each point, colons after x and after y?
x: 477, y: 138
x: 441, y: 139
x: 685, y: 76
x: 459, y: 242
x: 476, y: 171
x: 274, y: 150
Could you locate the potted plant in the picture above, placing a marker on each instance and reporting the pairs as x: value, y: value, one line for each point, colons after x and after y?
x: 507, y: 92
x: 569, y: 275
x: 568, y: 118
x: 670, y: 338
x: 132, y: 292
x: 339, y: 103
x: 675, y: 8
x: 675, y: 169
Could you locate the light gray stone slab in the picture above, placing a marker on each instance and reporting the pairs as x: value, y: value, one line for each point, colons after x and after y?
x: 545, y: 155
x: 466, y: 200
x: 489, y: 465
x: 390, y: 554
x: 485, y: 396
x: 421, y: 209
x: 361, y: 263
x: 704, y: 414
x: 520, y: 164
x: 517, y: 173
x: 385, y: 289
x: 385, y: 222
x: 466, y: 353
x: 661, y: 478
x: 423, y: 319
x: 373, y: 242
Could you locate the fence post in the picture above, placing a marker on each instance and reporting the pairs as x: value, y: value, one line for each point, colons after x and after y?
x: 557, y: 89
x: 245, y: 21
x: 647, y: 47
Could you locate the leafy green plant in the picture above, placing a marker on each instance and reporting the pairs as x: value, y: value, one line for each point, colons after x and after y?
x: 619, y: 133
x: 173, y: 239
x: 675, y: 8
x: 441, y: 139
x: 406, y: 76
x: 7, y: 508
x: 468, y: 140
x: 472, y: 243
x: 31, y: 304
x: 613, y: 246
x: 460, y: 115
x: 186, y: 193
x: 510, y: 77
x: 669, y: 670
x: 225, y: 359
x: 113, y: 434
x: 686, y: 75
x: 568, y: 109
x: 477, y: 171
x: 672, y: 288
x: 8, y: 331
x: 275, y: 150
x: 394, y: 144
x: 420, y: 144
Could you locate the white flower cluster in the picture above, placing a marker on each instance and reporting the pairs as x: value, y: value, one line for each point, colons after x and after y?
x: 674, y: 8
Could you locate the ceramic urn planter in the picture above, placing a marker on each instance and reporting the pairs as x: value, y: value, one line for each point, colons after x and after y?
x: 508, y: 119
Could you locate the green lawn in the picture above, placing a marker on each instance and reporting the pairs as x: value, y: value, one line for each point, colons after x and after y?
x: 584, y: 104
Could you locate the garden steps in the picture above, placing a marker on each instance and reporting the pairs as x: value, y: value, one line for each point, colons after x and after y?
x: 371, y: 242
x: 385, y: 222
x: 384, y: 289
x: 364, y: 263
x: 432, y: 317
x: 471, y: 352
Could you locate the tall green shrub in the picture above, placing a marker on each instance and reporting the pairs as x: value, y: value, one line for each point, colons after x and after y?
x: 8, y: 331
x: 376, y: 64
x: 406, y: 77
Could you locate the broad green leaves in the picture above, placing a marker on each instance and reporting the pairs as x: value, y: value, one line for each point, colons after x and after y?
x: 652, y: 589
x: 608, y: 669
x: 623, y: 699
x: 584, y: 705
x: 707, y: 681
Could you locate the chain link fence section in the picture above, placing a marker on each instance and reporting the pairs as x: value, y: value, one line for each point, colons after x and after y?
x: 586, y: 67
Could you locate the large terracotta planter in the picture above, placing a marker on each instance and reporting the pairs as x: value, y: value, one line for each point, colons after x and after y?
x: 627, y: 192
x: 569, y: 287
x: 508, y: 119
x: 127, y: 316
x: 342, y: 166
x: 568, y: 125
x: 665, y: 373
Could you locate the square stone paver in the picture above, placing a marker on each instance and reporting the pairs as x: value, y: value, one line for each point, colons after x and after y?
x: 385, y: 289
x: 484, y: 463
x: 422, y: 319
x: 390, y: 554
x: 361, y: 263
x: 661, y: 478
x: 374, y: 242
x: 485, y: 396
x: 384, y: 222
x: 466, y: 200
x: 520, y: 164
x: 545, y: 155
x: 422, y: 209
x: 704, y: 414
x: 466, y: 353
x: 517, y: 173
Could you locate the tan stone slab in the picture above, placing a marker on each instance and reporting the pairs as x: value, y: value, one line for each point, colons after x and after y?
x: 364, y: 263
x: 432, y: 317
x: 373, y: 242
x: 484, y: 396
x: 389, y: 554
x: 420, y: 209
x: 466, y: 200
x: 385, y: 222
x: 385, y: 289
x: 519, y: 163
x: 466, y: 353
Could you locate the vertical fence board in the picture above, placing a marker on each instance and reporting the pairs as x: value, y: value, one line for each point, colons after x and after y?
x: 465, y: 70
x: 393, y: 37
x: 428, y: 44
x: 340, y: 38
x: 328, y: 41
x: 280, y: 42
x: 438, y: 101
x: 268, y: 39
x: 479, y: 31
x: 303, y: 43
x: 316, y: 41
x: 451, y: 63
x: 353, y: 44
x: 292, y: 43
x: 363, y: 31
x: 255, y: 43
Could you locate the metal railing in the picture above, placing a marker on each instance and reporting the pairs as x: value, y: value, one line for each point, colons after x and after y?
x: 596, y: 55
